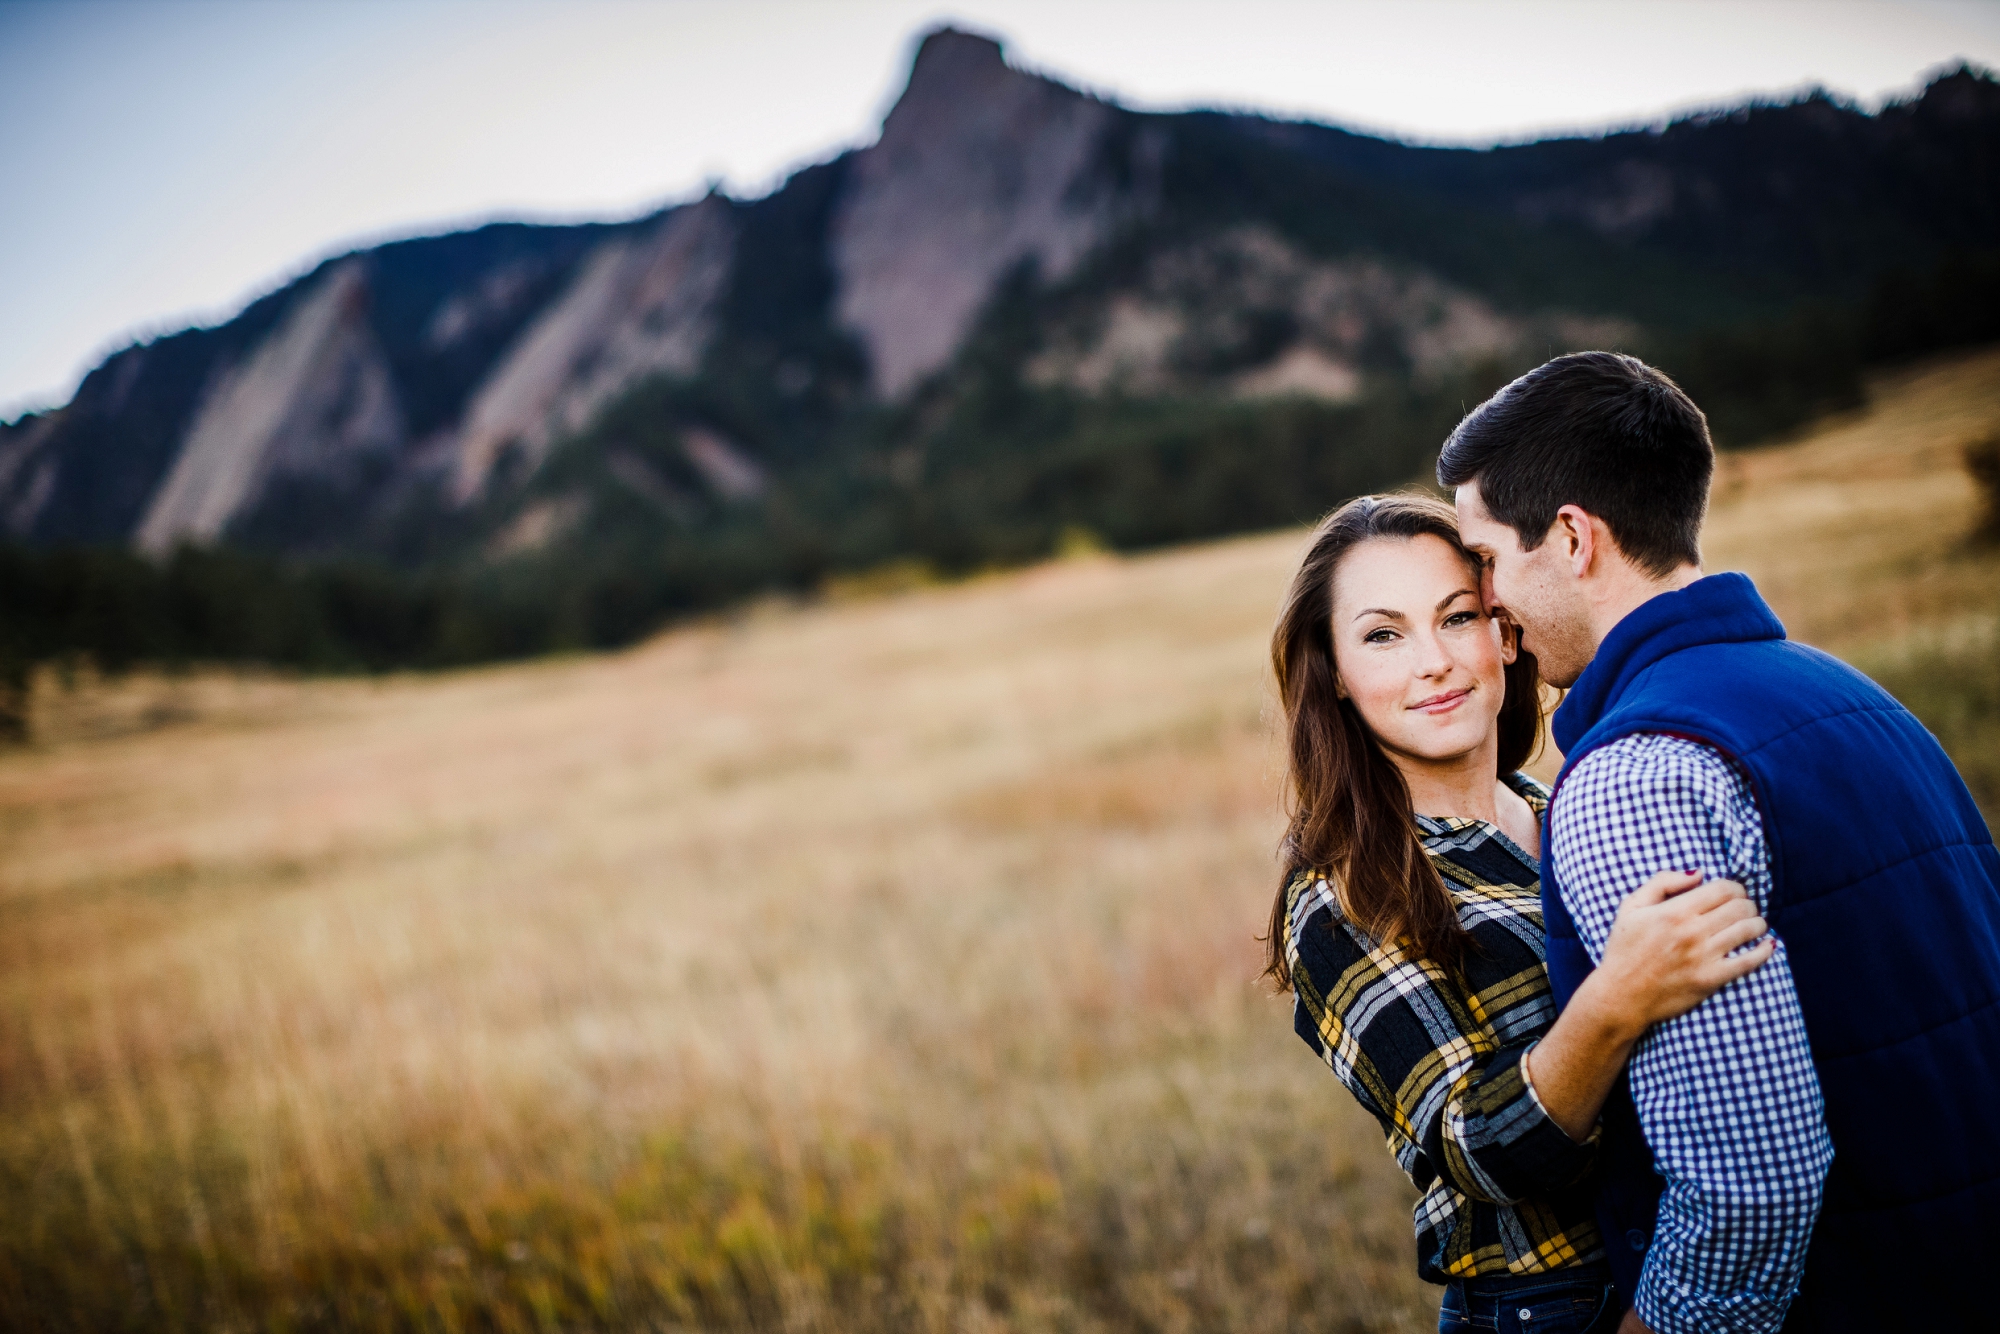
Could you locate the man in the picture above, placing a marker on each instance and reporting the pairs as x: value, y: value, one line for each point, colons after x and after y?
x: 1852, y: 1080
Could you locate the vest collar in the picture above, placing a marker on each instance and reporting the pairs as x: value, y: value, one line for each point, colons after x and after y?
x: 1718, y: 609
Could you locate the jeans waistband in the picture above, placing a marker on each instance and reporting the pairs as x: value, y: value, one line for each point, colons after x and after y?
x: 1594, y: 1274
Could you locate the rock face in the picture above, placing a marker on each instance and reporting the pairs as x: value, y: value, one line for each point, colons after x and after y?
x: 1249, y: 311
x: 316, y: 400
x: 404, y: 401
x: 979, y: 168
x: 27, y: 474
x: 641, y: 306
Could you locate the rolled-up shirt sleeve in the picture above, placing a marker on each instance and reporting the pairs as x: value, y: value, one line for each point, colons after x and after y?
x: 1726, y: 1094
x: 1399, y: 1037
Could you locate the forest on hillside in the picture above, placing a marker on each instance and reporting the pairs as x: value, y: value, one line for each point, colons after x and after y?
x: 984, y: 470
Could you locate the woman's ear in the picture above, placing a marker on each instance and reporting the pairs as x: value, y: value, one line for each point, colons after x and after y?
x: 1510, y: 640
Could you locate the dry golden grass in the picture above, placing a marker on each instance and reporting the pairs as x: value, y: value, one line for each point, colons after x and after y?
x: 870, y: 965
x: 1859, y: 533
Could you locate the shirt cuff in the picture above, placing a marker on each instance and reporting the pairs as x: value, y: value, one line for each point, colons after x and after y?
x: 1510, y: 1136
x: 1668, y: 1307
x: 1528, y: 1079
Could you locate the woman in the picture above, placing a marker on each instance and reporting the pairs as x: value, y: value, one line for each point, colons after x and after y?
x: 1409, y: 924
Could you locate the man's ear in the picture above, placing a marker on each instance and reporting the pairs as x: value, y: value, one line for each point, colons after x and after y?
x: 1573, y: 528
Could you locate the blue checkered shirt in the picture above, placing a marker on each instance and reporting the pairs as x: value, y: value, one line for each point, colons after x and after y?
x: 1726, y: 1093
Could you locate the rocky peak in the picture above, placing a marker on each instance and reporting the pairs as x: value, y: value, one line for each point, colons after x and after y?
x: 979, y: 168
x: 954, y: 71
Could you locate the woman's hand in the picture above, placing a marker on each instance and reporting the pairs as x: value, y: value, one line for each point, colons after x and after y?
x: 1670, y: 944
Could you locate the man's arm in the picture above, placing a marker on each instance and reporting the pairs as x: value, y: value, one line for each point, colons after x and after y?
x: 1727, y: 1094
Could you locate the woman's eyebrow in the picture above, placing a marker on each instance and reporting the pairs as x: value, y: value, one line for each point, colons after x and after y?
x: 1384, y: 611
x: 1461, y: 593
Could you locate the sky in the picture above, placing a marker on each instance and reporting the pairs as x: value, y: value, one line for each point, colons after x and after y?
x: 162, y: 162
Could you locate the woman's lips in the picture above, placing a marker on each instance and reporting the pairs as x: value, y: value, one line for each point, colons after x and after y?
x: 1444, y: 703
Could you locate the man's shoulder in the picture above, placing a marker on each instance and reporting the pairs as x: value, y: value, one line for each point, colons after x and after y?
x: 1645, y: 757
x: 1645, y: 770
x: 1744, y: 692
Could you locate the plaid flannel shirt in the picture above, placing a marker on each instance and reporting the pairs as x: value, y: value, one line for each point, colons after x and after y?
x: 1436, y: 1057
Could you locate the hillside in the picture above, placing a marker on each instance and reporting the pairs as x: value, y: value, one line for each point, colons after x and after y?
x: 857, y: 965
x: 1857, y: 532
x: 1022, y: 311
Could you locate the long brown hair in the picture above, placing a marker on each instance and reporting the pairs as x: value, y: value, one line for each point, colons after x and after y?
x: 1350, y: 808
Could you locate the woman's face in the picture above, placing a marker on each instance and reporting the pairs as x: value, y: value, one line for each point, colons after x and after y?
x: 1416, y: 651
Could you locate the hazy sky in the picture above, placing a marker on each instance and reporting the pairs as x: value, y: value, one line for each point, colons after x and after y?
x: 162, y: 161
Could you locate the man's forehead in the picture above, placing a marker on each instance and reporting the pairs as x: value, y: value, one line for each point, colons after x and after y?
x: 1472, y: 513
x: 1478, y: 530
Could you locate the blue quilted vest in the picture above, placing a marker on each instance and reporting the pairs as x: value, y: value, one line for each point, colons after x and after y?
x: 1886, y: 892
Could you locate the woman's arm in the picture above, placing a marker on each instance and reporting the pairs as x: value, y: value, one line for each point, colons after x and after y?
x: 1404, y: 1038
x: 1669, y: 950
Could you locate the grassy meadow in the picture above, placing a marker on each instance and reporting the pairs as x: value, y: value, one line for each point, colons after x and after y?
x: 884, y: 963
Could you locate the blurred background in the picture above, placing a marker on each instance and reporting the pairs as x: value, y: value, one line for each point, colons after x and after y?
x: 632, y: 634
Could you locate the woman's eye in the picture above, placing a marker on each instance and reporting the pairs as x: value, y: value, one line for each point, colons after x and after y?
x: 1461, y: 618
x: 1382, y: 636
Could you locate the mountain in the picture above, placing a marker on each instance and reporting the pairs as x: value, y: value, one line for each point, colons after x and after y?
x: 1023, y: 310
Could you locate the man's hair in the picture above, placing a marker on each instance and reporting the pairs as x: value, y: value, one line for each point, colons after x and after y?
x: 1598, y: 430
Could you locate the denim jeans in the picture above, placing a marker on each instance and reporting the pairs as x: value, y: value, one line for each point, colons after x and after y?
x: 1567, y: 1301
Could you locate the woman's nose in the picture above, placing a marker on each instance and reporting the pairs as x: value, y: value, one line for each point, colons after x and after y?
x: 1432, y: 660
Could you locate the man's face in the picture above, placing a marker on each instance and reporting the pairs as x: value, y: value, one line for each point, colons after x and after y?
x: 1538, y: 590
